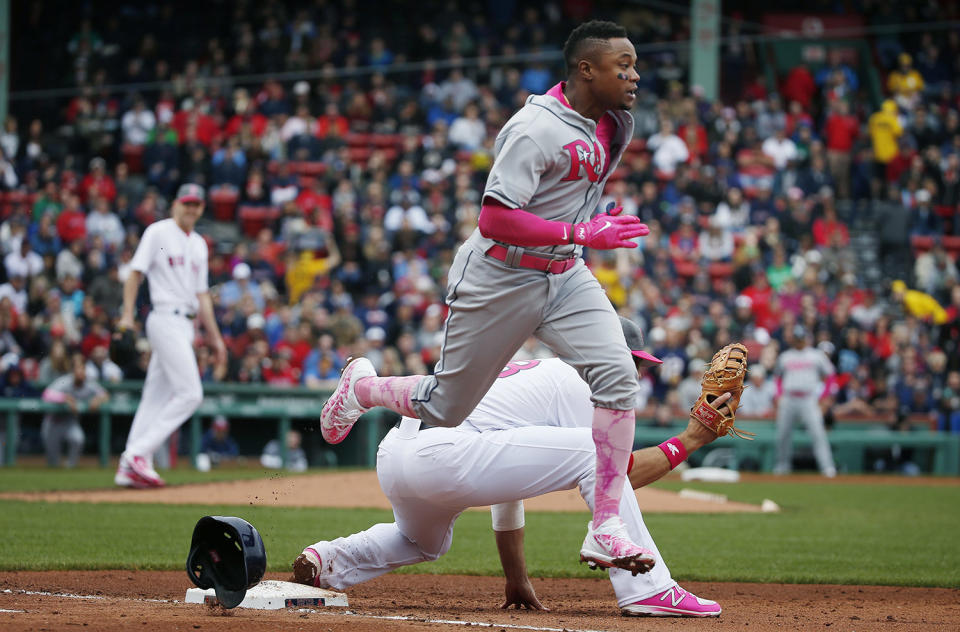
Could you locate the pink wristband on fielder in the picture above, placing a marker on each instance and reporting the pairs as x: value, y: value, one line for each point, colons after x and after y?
x: 674, y: 451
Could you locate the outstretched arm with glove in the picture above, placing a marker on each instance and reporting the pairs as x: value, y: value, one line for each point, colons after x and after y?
x: 712, y: 416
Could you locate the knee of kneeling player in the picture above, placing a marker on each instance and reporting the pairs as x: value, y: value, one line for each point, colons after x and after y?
x: 430, y: 556
x: 614, y: 385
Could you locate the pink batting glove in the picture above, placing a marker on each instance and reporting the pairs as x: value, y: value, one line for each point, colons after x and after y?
x: 606, y: 232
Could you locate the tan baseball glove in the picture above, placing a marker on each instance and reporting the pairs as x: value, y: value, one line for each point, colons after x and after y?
x: 726, y: 374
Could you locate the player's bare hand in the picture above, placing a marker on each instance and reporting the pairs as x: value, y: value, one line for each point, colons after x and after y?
x: 125, y: 322
x: 520, y: 594
x: 219, y: 351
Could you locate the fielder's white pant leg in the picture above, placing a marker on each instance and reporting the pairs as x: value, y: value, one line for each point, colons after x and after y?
x: 172, y: 390
x: 627, y: 587
x: 363, y: 556
x: 423, y: 530
x: 813, y: 418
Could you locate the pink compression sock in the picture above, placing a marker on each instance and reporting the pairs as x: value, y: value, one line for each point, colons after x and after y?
x: 394, y: 393
x: 613, y: 432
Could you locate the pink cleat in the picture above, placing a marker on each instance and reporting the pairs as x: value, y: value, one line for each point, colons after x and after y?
x: 609, y: 546
x: 673, y: 602
x: 342, y: 409
x: 137, y: 472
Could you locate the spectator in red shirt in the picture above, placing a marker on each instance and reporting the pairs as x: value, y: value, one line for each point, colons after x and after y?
x: 800, y: 86
x: 761, y: 294
x: 841, y: 131
x: 296, y: 340
x: 257, y: 121
x: 795, y: 116
x: 828, y: 231
x: 695, y: 136
x: 316, y: 205
x: 72, y: 221
x: 98, y: 182
x: 332, y: 118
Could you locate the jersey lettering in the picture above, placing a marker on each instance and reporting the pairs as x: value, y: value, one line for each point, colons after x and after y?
x: 580, y: 156
x: 515, y: 367
x: 175, y: 261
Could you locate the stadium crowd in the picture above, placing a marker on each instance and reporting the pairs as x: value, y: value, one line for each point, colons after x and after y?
x: 335, y: 203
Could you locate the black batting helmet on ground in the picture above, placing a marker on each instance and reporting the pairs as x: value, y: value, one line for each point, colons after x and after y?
x: 226, y: 554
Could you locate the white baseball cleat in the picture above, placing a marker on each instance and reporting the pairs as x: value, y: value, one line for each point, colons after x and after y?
x: 609, y: 546
x: 673, y: 602
x: 342, y: 409
x: 136, y: 472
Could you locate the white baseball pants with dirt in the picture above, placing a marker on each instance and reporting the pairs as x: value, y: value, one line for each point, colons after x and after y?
x: 171, y: 390
x: 432, y: 476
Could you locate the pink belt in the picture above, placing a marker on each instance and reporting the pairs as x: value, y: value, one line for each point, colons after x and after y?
x: 551, y: 266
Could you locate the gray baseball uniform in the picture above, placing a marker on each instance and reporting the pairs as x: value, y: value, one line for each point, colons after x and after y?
x: 802, y: 375
x: 549, y: 162
x: 64, y: 427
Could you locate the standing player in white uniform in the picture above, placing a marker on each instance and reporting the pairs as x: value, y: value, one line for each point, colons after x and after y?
x: 520, y: 274
x: 802, y: 370
x: 526, y: 437
x: 174, y: 259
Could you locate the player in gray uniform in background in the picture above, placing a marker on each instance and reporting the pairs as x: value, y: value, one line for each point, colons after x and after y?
x: 59, y: 428
x: 520, y: 274
x: 802, y: 370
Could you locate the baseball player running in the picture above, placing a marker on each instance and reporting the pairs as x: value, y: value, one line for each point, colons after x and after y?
x: 520, y: 274
x: 174, y: 259
x: 802, y: 370
x: 525, y: 438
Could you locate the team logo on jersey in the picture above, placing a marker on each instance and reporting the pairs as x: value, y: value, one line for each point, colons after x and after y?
x: 585, y: 157
x: 176, y: 261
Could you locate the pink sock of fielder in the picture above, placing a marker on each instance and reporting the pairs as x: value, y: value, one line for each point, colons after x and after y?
x: 395, y: 393
x: 613, y: 432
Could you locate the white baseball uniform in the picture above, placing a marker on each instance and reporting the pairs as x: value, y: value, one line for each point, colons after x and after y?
x: 175, y: 264
x: 529, y: 435
x: 802, y: 372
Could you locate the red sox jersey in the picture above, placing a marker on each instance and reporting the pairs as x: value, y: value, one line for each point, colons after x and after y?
x: 550, y: 162
x: 175, y: 264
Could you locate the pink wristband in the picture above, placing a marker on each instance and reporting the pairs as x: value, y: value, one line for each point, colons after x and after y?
x: 674, y: 451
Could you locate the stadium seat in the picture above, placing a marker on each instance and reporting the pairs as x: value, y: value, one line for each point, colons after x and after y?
x: 951, y: 243
x: 921, y: 243
x: 133, y: 157
x: 254, y: 218
x: 945, y: 210
x: 224, y: 200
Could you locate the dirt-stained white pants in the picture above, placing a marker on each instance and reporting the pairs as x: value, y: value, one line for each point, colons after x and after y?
x: 432, y: 476
x: 171, y: 390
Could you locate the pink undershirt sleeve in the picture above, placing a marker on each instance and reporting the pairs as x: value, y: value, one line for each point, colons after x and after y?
x: 53, y: 396
x: 519, y: 227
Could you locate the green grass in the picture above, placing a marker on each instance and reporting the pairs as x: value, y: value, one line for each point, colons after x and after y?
x: 43, y: 479
x: 826, y: 533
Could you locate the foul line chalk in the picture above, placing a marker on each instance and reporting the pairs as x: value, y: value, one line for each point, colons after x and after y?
x: 342, y: 613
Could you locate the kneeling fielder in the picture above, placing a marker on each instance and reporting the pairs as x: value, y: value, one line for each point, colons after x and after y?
x: 529, y: 435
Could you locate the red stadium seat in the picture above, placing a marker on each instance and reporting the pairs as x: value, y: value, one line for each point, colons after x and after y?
x: 951, y: 243
x: 224, y: 200
x: 945, y: 210
x: 133, y: 156
x: 357, y: 139
x: 254, y: 218
x: 720, y: 270
x: 921, y: 243
x: 360, y: 155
